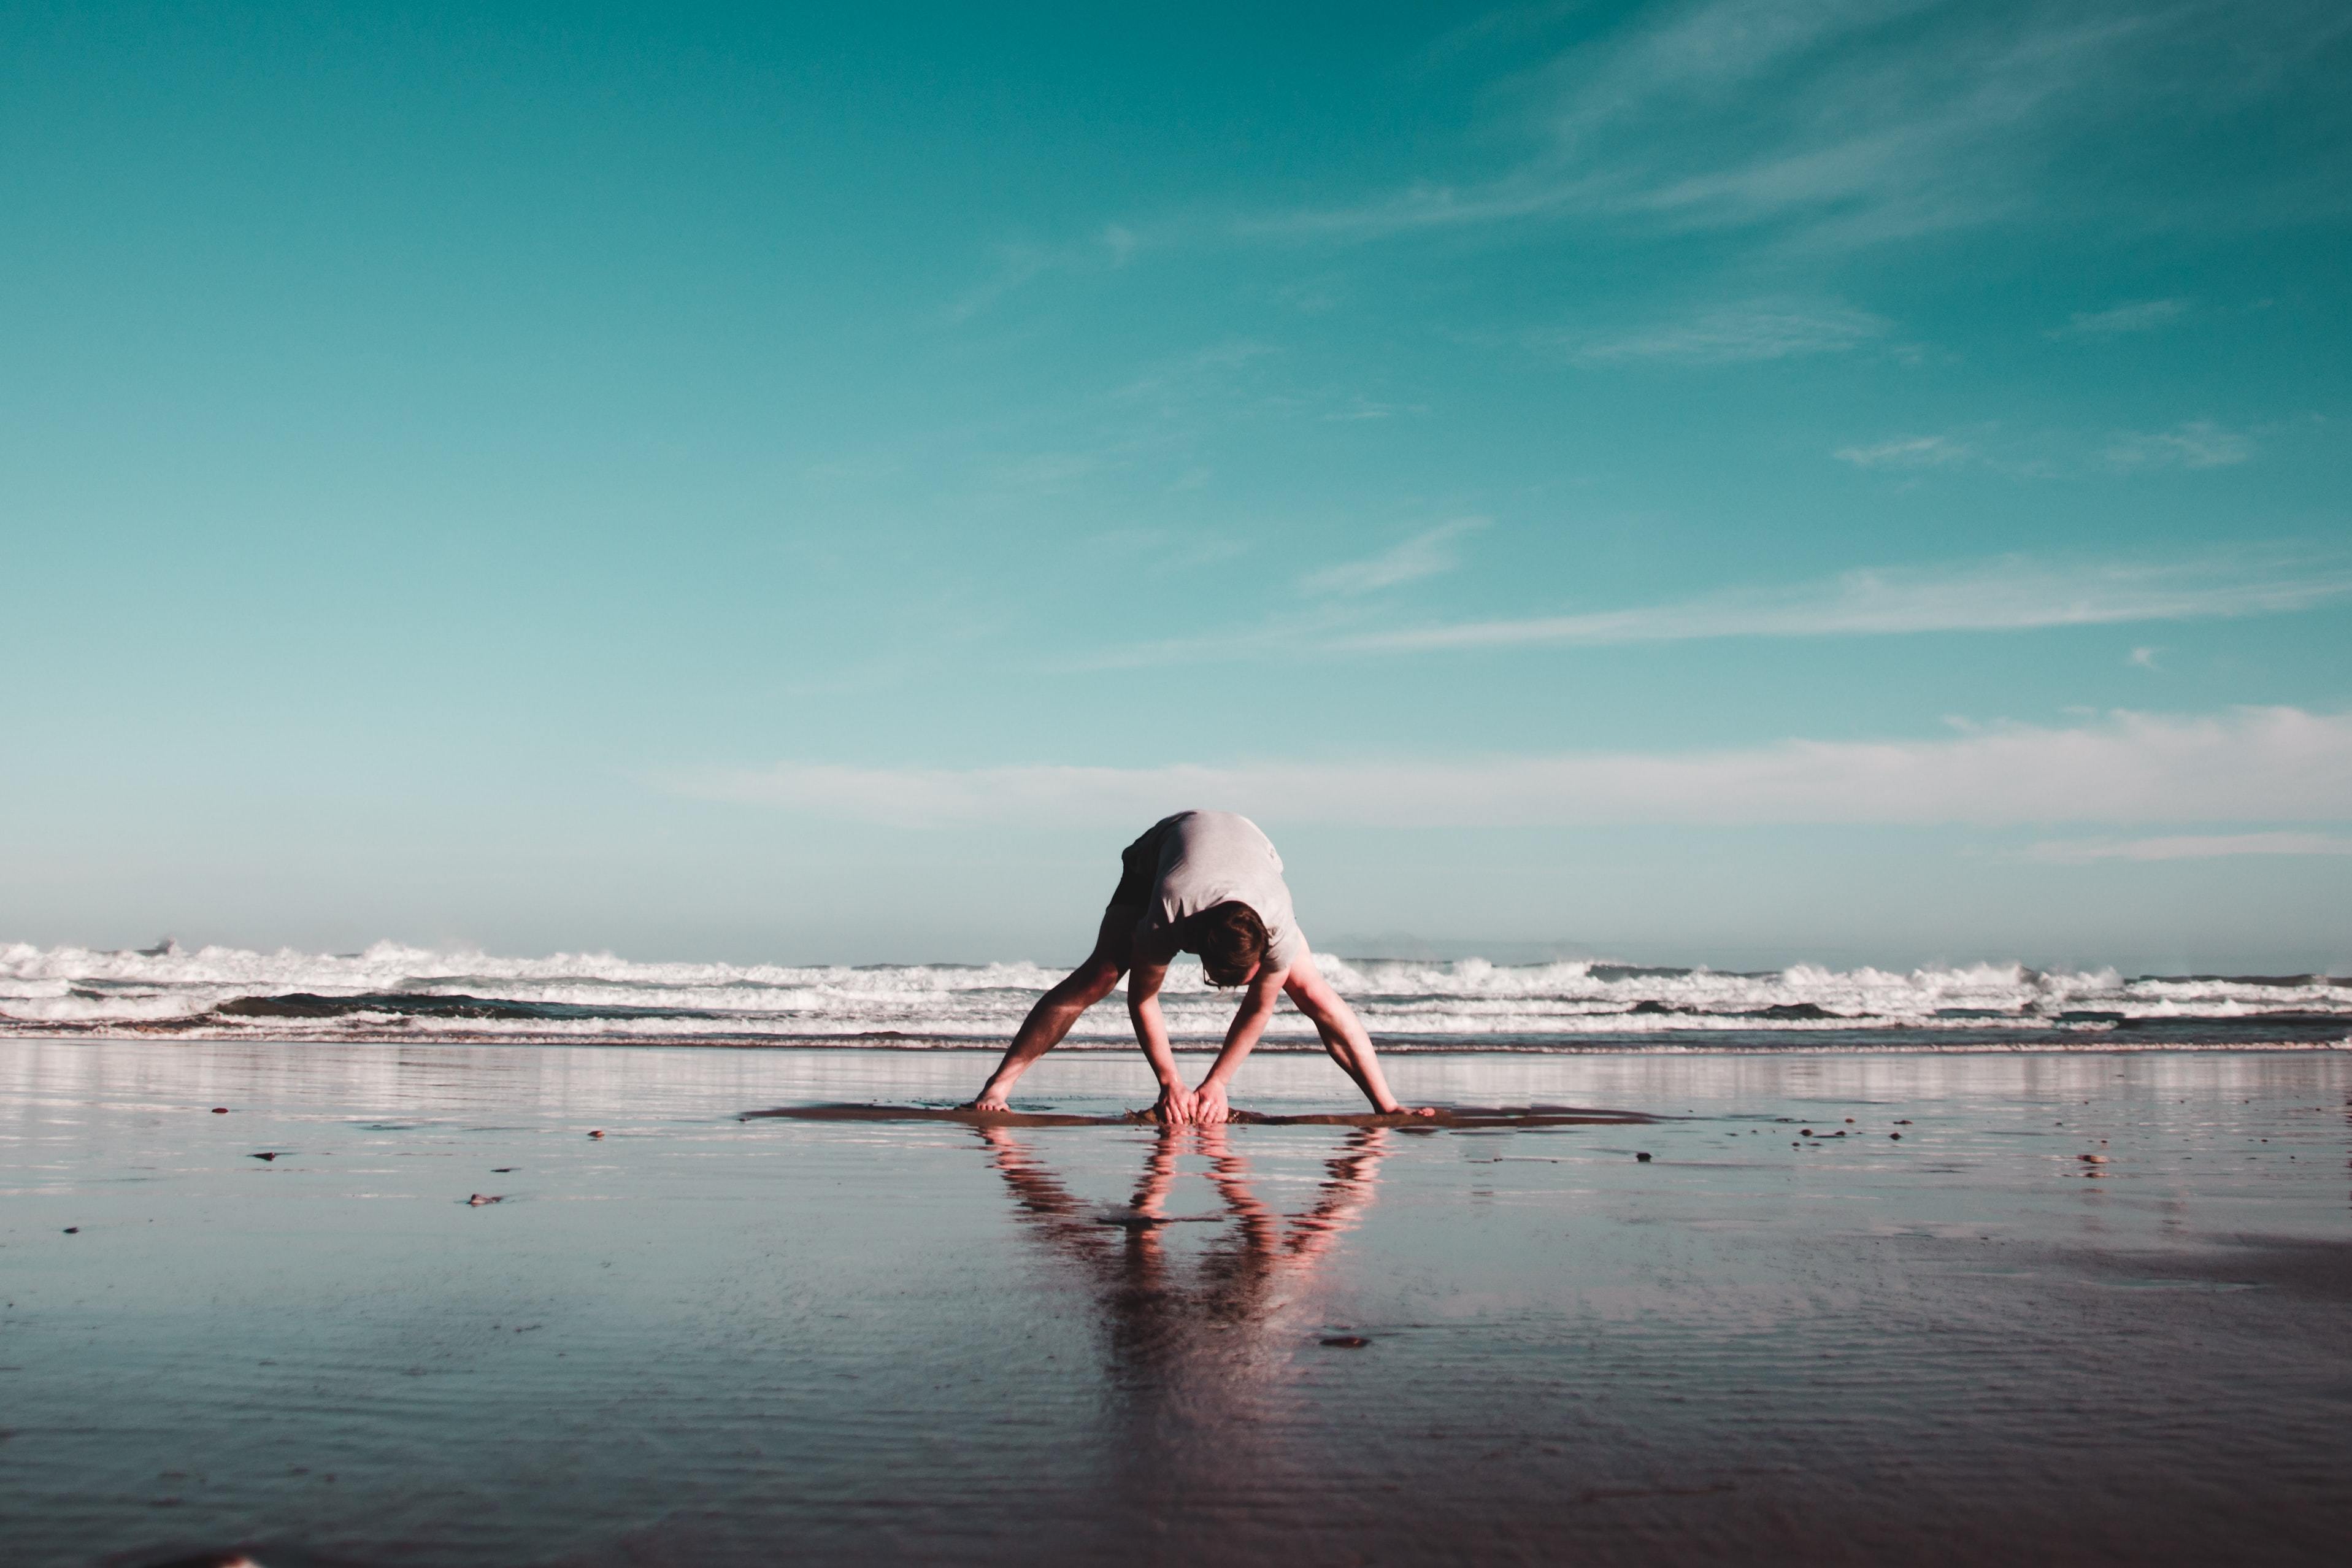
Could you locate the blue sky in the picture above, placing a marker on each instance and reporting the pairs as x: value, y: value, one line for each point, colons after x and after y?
x: 1725, y: 482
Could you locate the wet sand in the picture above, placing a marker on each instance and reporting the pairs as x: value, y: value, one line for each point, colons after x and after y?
x: 707, y: 1337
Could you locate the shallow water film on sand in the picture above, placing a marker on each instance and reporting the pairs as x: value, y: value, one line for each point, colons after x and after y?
x: 339, y: 1303
x: 395, y: 992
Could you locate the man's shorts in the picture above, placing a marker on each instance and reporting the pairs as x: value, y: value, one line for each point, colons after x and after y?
x: 1138, y: 871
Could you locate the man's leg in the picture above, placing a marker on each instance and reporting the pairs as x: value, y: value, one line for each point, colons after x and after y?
x: 1061, y: 1007
x: 1343, y: 1033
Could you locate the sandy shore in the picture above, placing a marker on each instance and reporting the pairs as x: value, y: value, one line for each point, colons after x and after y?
x: 700, y: 1338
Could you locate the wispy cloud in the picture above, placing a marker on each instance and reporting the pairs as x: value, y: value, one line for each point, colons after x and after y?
x: 2199, y: 444
x: 1823, y: 125
x: 2060, y: 454
x: 1848, y: 123
x: 1511, y: 24
x: 2276, y: 765
x: 1020, y: 263
x: 2005, y: 594
x: 1200, y: 374
x: 1424, y: 554
x: 1042, y: 473
x: 1907, y: 452
x: 2145, y: 316
x: 1763, y: 330
x: 2012, y: 594
x: 2189, y: 846
x: 2145, y: 658
x: 1360, y: 407
x: 1983, y: 448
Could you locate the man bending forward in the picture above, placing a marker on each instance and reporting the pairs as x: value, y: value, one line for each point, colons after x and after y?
x: 1205, y: 882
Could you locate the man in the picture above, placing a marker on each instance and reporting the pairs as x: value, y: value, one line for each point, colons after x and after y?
x: 1205, y: 882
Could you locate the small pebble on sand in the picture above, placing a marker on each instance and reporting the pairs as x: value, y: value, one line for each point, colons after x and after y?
x: 1346, y: 1341
x: 1642, y: 1155
x: 596, y: 1133
x: 1896, y: 1136
x: 478, y: 1199
x: 220, y: 1110
x: 2093, y: 1159
x: 73, y: 1230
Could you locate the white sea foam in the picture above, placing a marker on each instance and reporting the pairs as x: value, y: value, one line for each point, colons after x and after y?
x: 412, y: 993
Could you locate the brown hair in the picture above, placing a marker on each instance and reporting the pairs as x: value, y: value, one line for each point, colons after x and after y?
x: 1231, y: 941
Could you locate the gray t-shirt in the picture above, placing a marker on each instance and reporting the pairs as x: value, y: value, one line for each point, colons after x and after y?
x: 1211, y: 858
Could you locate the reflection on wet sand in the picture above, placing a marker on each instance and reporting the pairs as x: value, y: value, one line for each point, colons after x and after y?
x: 1239, y: 1282
x: 1199, y: 1339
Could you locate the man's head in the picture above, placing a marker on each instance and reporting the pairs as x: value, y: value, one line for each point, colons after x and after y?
x: 1231, y: 941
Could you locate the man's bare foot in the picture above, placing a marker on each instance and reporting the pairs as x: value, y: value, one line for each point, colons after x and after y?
x: 987, y: 1102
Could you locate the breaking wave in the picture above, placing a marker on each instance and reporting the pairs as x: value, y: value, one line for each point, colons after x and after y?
x: 392, y: 992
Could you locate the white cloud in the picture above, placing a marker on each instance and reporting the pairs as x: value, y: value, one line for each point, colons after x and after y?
x: 1202, y: 372
x: 2145, y: 316
x: 2196, y: 444
x: 1849, y: 122
x: 1509, y: 26
x: 1022, y: 263
x: 2189, y: 846
x: 2278, y: 765
x: 2199, y: 444
x: 2012, y: 594
x: 1361, y: 408
x: 2145, y: 658
x: 1907, y: 452
x: 1737, y: 334
x: 1423, y: 555
x: 1043, y: 473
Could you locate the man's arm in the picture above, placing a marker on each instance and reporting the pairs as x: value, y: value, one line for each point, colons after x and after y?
x: 1143, y: 982
x: 1241, y: 1038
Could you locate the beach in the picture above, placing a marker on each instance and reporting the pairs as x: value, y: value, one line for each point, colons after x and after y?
x: 1855, y: 1305
x: 1688, y: 662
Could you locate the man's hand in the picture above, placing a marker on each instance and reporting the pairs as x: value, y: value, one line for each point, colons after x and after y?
x: 1176, y: 1107
x: 1209, y: 1107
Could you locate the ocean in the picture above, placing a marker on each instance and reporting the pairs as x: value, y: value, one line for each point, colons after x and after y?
x: 392, y: 993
